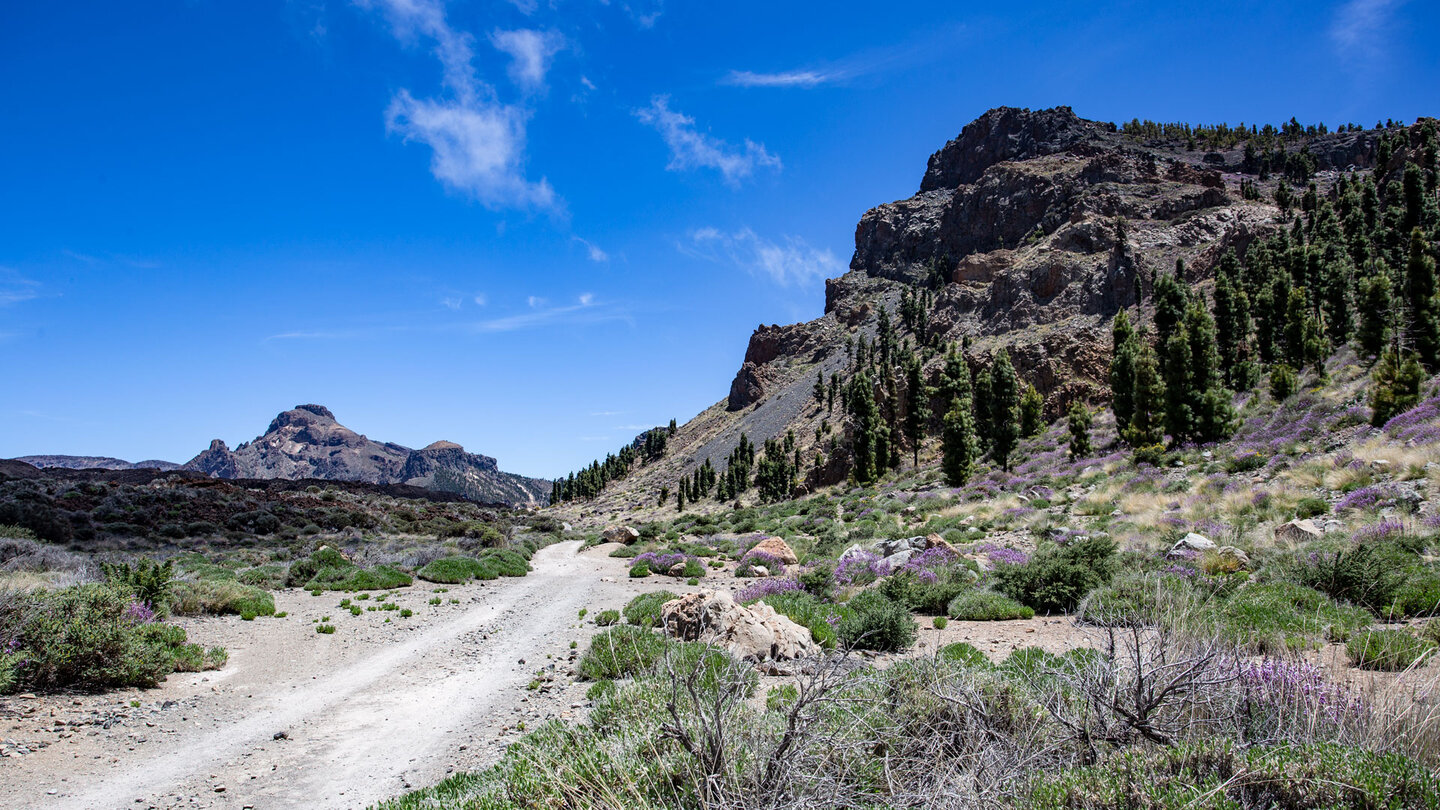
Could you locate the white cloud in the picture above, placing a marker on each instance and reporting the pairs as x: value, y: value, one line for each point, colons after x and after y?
x: 790, y: 261
x: 450, y: 303
x: 793, y: 78
x: 593, y: 250
x: 1359, y: 28
x: 15, y: 288
x: 691, y: 149
x: 535, y: 301
x: 527, y: 7
x: 481, y: 300
x: 585, y: 309
x: 530, y: 53
x: 478, y: 143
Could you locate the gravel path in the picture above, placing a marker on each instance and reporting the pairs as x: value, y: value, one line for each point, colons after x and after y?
x: 300, y: 719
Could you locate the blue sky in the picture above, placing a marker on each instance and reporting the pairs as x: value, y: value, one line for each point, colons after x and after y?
x: 530, y: 227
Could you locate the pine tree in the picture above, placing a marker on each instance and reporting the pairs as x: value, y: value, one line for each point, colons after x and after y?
x: 954, y: 380
x: 820, y: 388
x: 1282, y: 382
x: 1375, y: 311
x: 1394, y: 386
x: 1297, y: 310
x: 1124, y: 347
x: 1170, y: 302
x: 866, y: 434
x: 830, y: 393
x: 673, y: 427
x: 1423, y: 303
x: 1232, y: 325
x: 983, y: 401
x: 1214, y: 416
x: 1146, y: 427
x: 917, y: 406
x: 664, y: 495
x: 1032, y: 412
x: 1179, y: 387
x: 958, y: 442
x: 1078, y: 420
x: 680, y: 498
x: 1004, y: 409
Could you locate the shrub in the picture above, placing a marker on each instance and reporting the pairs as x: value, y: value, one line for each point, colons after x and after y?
x: 772, y: 565
x: 506, y: 563
x: 986, y: 606
x: 301, y: 572
x: 325, y: 629
x: 1367, y: 574
x: 1056, y: 577
x: 1388, y: 650
x: 218, y: 597
x: 147, y: 580
x: 919, y: 592
x: 82, y: 638
x: 640, y: 570
x: 644, y: 610
x: 1216, y: 776
x: 1311, y: 507
x: 621, y: 652
x: 712, y: 665
x: 1418, y: 595
x: 453, y: 570
x: 605, y: 618
x: 818, y: 581
x: 963, y: 654
x: 1277, y: 617
x: 820, y: 618
x: 1137, y: 600
x: 939, y: 622
x: 269, y: 577
x: 876, y: 623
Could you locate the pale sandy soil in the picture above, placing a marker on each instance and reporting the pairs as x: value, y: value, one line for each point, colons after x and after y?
x: 366, y: 713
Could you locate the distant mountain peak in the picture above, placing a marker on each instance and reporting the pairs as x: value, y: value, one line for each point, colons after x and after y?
x: 442, y: 445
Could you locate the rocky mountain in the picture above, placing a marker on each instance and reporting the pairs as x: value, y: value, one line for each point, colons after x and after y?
x: 307, y: 442
x: 1029, y: 230
x: 96, y: 463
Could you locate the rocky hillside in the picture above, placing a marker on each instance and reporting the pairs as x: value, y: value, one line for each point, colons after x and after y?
x: 1029, y: 230
x: 307, y: 442
x: 97, y: 463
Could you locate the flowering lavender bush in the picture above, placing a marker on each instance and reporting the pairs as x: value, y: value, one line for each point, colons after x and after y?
x: 860, y: 568
x: 1419, y: 425
x: 1004, y: 555
x: 1375, y: 497
x: 770, y: 586
x: 138, y: 613
x: 772, y: 564
x: 1375, y: 532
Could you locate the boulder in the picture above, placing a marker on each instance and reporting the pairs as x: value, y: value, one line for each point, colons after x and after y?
x: 897, y: 560
x: 677, y: 570
x: 852, y: 551
x: 1192, y: 542
x: 1298, y: 531
x: 759, y: 571
x: 777, y: 548
x: 620, y: 534
x: 1232, y: 558
x: 755, y: 633
x: 936, y: 541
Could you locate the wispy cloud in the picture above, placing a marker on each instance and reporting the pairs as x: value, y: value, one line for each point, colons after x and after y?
x: 478, y: 143
x: 535, y: 301
x: 790, y: 261
x: 791, y: 78
x: 481, y: 300
x: 15, y: 288
x: 693, y: 149
x: 593, y: 250
x: 585, y: 310
x: 530, y: 53
x: 1359, y: 28
x: 607, y: 413
x: 451, y: 303
x: 314, y: 335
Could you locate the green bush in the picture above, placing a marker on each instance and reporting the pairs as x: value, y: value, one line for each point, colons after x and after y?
x: 644, y: 610
x: 84, y: 638
x: 269, y: 577
x: 876, y: 623
x: 976, y: 605
x: 1140, y: 599
x: 621, y: 652
x: 963, y: 654
x: 1215, y: 776
x: 506, y: 563
x: 355, y: 578
x: 818, y: 581
x: 453, y: 570
x: 1388, y: 650
x: 711, y: 666
x: 640, y: 570
x: 1057, y: 577
x: 1311, y: 507
x: 1368, y: 574
x: 606, y: 618
x: 820, y: 618
x: 1277, y: 617
x: 908, y: 589
x: 147, y: 580
x: 1418, y: 595
x: 218, y: 597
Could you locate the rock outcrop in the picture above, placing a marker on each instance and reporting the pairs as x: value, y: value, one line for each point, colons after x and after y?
x: 307, y: 442
x: 755, y: 633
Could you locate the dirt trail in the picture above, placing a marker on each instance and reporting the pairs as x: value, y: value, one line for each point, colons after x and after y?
x: 367, y: 713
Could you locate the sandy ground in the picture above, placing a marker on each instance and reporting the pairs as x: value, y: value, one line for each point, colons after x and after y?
x: 301, y: 719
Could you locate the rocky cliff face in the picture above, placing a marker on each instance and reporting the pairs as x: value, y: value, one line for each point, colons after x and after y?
x: 307, y: 442
x: 96, y: 463
x: 445, y: 466
x: 1031, y: 229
